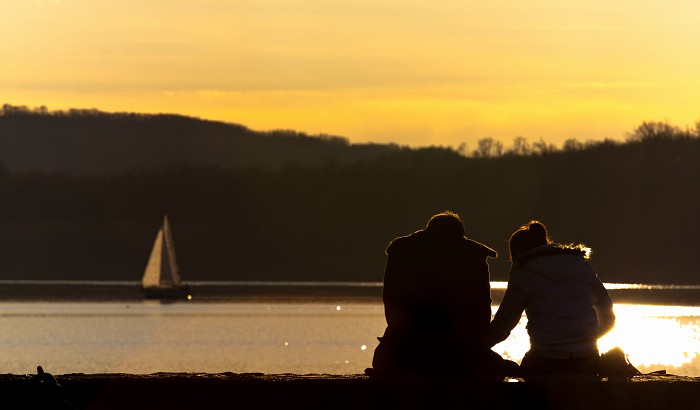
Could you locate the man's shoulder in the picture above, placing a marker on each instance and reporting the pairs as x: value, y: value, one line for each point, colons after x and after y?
x: 418, y: 239
x: 403, y: 242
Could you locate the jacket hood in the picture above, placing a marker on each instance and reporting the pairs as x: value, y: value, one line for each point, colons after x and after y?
x: 483, y: 248
x: 555, y: 262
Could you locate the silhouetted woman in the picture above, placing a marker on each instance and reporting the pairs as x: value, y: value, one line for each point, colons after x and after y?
x: 567, y: 306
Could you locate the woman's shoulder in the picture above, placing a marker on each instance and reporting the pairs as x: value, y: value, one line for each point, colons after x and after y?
x: 553, y: 250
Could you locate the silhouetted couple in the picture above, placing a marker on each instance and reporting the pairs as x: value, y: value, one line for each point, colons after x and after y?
x: 437, y: 302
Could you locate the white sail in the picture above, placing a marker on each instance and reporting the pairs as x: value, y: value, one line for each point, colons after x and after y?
x: 162, y: 270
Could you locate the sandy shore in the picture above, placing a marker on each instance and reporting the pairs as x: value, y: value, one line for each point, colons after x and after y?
x: 288, y: 391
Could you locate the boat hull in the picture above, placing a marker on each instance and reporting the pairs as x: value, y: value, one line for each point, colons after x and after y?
x: 177, y: 292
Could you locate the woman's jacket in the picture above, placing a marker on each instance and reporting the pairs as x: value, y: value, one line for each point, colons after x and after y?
x: 567, y: 306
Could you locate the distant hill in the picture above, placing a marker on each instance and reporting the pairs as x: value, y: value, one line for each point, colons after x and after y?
x: 90, y: 141
x: 82, y: 194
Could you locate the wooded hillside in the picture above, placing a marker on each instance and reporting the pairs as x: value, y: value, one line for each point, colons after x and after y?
x: 83, y: 193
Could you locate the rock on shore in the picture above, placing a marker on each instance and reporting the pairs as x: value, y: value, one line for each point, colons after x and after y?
x: 290, y: 391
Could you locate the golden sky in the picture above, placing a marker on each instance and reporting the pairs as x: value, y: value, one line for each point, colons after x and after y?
x: 411, y: 72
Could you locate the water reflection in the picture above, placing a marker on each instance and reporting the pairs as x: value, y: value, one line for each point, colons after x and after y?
x: 654, y: 337
x: 336, y: 337
x: 501, y: 285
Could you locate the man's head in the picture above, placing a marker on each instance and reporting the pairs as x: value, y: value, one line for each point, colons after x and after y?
x: 447, y: 224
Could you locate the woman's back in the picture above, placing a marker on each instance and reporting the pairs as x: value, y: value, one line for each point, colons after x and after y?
x: 566, y: 305
x: 559, y: 287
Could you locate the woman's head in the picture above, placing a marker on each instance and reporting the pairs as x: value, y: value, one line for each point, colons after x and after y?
x: 526, y: 238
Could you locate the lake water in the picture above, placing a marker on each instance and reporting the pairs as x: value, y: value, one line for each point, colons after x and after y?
x: 330, y: 336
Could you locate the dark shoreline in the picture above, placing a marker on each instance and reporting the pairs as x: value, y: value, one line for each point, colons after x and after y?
x: 208, y: 293
x: 687, y: 296
x: 175, y: 391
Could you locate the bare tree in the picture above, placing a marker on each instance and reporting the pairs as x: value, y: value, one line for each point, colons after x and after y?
x: 488, y: 148
x: 655, y: 130
x: 572, y: 145
x: 520, y: 147
x: 541, y: 147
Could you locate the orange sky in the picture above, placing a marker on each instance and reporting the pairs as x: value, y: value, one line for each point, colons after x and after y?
x: 411, y: 72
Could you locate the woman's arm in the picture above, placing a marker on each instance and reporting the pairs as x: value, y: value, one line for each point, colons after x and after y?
x: 508, y: 315
x: 603, y: 307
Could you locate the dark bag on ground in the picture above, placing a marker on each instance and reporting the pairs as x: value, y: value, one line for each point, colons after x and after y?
x: 614, y: 362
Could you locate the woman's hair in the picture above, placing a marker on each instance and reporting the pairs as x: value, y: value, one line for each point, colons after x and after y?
x: 534, y: 234
x: 527, y: 237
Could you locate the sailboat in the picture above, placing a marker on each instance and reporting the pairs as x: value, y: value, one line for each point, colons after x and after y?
x: 161, y: 278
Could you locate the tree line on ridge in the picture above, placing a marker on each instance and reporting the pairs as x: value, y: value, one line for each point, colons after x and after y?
x: 282, y: 205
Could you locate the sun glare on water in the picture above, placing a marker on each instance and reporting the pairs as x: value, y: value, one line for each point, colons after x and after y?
x: 654, y: 337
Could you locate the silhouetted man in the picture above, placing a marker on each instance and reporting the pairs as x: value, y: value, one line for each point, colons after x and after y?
x: 437, y: 303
